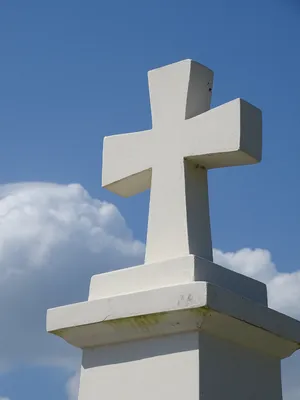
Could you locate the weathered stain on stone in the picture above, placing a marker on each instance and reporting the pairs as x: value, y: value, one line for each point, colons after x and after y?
x: 143, y: 322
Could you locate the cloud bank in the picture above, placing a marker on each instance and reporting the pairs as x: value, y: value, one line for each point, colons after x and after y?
x: 53, y: 238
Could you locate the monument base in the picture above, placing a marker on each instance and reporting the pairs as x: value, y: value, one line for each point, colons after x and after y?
x: 193, y: 366
x: 196, y: 340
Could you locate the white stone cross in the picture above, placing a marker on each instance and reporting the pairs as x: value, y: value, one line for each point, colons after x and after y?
x: 173, y: 157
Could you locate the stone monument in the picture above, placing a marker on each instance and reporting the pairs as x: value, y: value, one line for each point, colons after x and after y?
x: 179, y: 326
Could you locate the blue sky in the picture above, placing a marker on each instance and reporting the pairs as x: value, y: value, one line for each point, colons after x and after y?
x: 73, y: 72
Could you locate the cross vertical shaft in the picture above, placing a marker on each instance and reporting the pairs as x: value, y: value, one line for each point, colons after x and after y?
x: 182, y: 225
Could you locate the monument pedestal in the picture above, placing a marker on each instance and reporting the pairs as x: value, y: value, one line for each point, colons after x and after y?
x: 192, y: 339
x: 184, y: 328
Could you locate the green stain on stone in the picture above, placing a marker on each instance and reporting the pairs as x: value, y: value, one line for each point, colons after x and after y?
x: 201, y: 310
x: 141, y: 321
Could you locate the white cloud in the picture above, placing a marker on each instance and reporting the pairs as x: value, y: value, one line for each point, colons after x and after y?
x: 256, y: 263
x: 53, y: 238
x: 4, y: 398
x: 72, y: 387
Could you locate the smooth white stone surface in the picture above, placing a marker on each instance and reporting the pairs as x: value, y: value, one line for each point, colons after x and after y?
x: 172, y: 272
x: 193, y: 306
x: 189, y: 366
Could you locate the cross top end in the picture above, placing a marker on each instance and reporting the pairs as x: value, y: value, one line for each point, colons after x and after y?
x: 179, y: 91
x: 186, y: 139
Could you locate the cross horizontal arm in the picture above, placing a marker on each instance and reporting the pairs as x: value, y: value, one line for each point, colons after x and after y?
x: 225, y: 136
x: 126, y: 164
